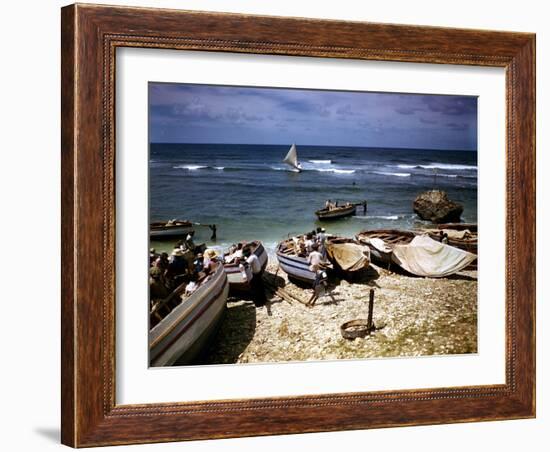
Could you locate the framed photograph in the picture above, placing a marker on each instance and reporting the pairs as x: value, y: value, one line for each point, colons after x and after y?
x: 282, y: 225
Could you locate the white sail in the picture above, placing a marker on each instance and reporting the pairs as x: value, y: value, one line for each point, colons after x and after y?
x: 292, y: 158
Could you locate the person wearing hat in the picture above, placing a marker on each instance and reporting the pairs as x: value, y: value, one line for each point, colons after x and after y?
x: 157, y: 287
x: 256, y: 284
x: 210, y: 260
x: 177, y: 265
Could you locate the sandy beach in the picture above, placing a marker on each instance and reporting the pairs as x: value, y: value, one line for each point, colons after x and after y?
x: 413, y: 316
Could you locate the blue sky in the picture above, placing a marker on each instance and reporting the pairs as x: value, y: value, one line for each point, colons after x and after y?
x: 182, y: 113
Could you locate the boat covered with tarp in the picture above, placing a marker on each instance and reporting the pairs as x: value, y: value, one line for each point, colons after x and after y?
x: 423, y: 256
x: 347, y: 254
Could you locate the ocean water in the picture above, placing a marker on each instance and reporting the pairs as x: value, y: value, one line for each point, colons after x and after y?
x: 250, y: 194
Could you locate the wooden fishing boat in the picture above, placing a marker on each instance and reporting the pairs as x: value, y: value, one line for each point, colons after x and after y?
x: 296, y: 267
x: 336, y: 212
x: 389, y: 246
x: 237, y: 283
x: 382, y: 241
x: 347, y: 255
x: 459, y: 235
x: 182, y: 326
x: 161, y: 230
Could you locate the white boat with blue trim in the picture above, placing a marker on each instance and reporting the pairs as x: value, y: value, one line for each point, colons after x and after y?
x: 294, y: 265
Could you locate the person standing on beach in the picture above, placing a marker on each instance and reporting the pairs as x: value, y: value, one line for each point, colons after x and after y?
x: 309, y: 243
x: 189, y: 244
x: 318, y: 287
x: 321, y: 238
x: 256, y: 284
x: 315, y: 258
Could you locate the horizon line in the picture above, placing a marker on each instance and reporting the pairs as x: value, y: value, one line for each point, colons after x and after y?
x: 321, y: 145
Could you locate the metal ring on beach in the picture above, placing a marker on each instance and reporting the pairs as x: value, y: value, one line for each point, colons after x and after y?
x: 355, y: 328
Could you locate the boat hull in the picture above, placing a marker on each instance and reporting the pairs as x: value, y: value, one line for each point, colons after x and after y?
x: 183, y: 333
x: 296, y: 267
x: 165, y: 233
x: 334, y: 214
x: 237, y: 283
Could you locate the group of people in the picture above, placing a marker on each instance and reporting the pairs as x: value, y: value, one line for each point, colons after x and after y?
x: 187, y: 263
x: 310, y: 242
x: 312, y: 247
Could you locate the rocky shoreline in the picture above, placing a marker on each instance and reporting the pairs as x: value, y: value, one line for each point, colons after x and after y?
x: 413, y: 317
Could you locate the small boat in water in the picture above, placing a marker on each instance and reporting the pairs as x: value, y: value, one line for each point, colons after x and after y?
x: 294, y: 265
x: 416, y: 253
x: 180, y: 326
x: 291, y: 159
x: 171, y: 229
x: 333, y: 213
x: 237, y: 281
x: 347, y: 255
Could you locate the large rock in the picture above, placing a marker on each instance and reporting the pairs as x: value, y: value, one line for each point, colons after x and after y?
x: 435, y: 206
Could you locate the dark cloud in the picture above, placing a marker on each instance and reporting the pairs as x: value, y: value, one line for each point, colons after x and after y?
x: 427, y: 121
x: 451, y: 105
x: 457, y: 126
x: 407, y: 110
x: 226, y: 114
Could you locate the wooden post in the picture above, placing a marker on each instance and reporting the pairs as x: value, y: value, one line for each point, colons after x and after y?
x: 370, y: 325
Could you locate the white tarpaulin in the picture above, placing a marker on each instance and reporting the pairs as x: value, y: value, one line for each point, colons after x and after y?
x: 349, y: 256
x: 426, y: 257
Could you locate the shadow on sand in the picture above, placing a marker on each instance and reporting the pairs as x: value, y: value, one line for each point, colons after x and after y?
x: 233, y: 336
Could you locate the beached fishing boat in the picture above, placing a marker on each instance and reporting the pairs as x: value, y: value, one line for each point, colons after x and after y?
x: 416, y: 253
x: 291, y: 159
x: 382, y: 241
x: 347, y: 255
x: 237, y: 281
x: 296, y: 267
x: 182, y: 326
x: 170, y: 229
x: 336, y: 212
x: 459, y: 235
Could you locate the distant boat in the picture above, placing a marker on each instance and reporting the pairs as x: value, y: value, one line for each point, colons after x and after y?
x: 336, y: 212
x: 291, y: 159
x: 237, y: 282
x: 182, y: 326
x: 171, y: 229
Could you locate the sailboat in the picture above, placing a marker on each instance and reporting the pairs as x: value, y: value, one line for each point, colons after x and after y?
x: 291, y: 159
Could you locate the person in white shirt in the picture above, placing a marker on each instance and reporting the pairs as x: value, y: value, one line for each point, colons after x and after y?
x: 191, y: 286
x: 315, y: 258
x: 309, y: 242
x: 256, y: 284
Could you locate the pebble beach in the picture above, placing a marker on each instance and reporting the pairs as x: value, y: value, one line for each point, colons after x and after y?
x: 413, y: 316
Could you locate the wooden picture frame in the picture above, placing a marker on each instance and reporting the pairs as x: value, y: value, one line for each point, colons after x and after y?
x: 90, y: 36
